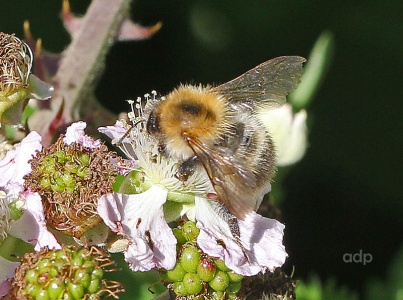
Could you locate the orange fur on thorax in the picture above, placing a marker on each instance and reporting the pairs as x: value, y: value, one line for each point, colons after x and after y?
x: 207, y: 125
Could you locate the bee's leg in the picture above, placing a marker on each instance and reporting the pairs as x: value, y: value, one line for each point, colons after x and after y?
x: 232, y: 222
x: 187, y: 168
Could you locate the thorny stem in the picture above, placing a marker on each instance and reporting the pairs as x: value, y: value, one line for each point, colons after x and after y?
x: 84, y: 60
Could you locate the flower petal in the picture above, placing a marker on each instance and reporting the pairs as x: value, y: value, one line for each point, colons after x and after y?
x: 7, y: 269
x: 261, y: 240
x: 264, y: 239
x: 31, y: 227
x: 115, y: 133
x: 15, y: 165
x: 297, y: 142
x: 288, y: 131
x: 75, y: 134
x: 140, y: 218
x: 39, y: 89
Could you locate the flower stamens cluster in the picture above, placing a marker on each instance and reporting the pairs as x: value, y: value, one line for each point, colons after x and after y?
x: 15, y: 63
x: 4, y: 216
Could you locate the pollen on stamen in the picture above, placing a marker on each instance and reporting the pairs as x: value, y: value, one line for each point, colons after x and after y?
x: 4, y: 216
x: 15, y: 63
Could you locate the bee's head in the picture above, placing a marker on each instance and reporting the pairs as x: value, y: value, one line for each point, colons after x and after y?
x: 153, y: 126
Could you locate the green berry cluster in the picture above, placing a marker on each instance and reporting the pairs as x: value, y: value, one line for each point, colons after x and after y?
x: 196, y: 275
x: 69, y: 273
x: 70, y: 179
x: 60, y: 170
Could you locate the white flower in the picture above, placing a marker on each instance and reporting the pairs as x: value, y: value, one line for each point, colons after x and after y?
x: 260, y: 247
x: 154, y: 196
x: 30, y: 227
x: 141, y: 218
x: 288, y: 131
x: 156, y: 169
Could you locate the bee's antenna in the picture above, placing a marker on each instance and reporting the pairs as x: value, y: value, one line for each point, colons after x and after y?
x: 120, y: 141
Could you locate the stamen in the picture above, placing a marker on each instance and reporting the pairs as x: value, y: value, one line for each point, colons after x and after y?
x: 4, y: 216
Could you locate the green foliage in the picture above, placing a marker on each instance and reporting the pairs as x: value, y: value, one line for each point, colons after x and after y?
x: 392, y: 286
x: 315, y: 69
x: 138, y: 285
x: 314, y: 289
x: 389, y: 288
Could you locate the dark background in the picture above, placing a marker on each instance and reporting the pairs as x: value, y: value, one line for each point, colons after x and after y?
x: 346, y: 194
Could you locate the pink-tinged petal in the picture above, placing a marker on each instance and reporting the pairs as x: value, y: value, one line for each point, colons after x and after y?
x: 7, y: 269
x: 261, y: 240
x: 109, y: 209
x: 25, y: 228
x: 114, y: 132
x: 15, y: 165
x: 264, y: 239
x: 32, y: 225
x: 4, y: 286
x: 140, y: 219
x: 140, y: 257
x: 75, y: 134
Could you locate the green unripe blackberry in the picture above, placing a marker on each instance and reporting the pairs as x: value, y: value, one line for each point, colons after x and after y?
x: 190, y: 231
x: 196, y: 275
x: 234, y: 277
x: 179, y: 289
x: 70, y: 178
x: 190, y: 258
x: 220, y: 281
x: 176, y: 274
x: 221, y: 265
x: 192, y: 283
x: 67, y: 273
x: 206, y: 269
x: 234, y: 287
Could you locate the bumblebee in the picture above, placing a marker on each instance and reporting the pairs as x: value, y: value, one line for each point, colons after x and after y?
x: 219, y: 129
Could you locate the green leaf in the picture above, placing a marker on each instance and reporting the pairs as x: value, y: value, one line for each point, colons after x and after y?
x: 315, y: 69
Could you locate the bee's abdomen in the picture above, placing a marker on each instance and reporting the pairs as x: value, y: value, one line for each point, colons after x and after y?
x: 250, y: 142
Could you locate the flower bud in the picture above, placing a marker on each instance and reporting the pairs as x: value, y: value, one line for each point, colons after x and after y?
x: 16, y: 81
x: 15, y: 64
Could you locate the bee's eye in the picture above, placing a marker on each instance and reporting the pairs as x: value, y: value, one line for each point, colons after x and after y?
x: 153, y: 124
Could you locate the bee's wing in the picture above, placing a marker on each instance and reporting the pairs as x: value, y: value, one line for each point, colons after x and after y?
x: 266, y: 85
x: 233, y: 181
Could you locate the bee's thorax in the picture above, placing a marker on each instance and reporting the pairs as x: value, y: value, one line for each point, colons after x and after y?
x: 189, y: 112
